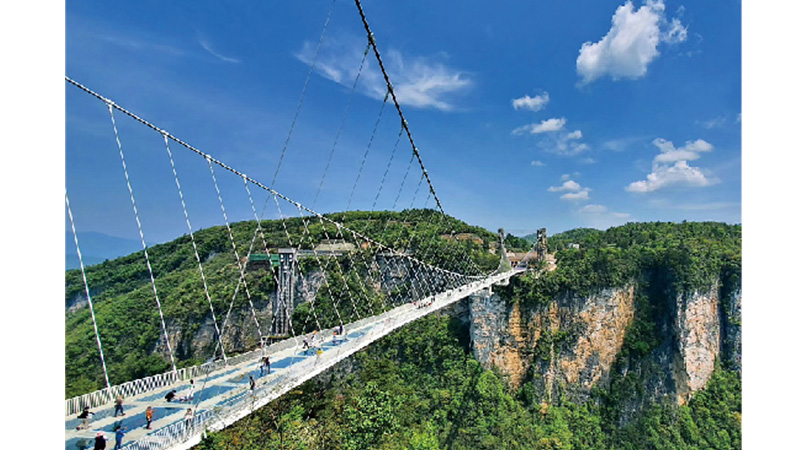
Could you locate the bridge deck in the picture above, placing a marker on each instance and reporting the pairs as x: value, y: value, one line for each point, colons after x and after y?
x: 223, y: 396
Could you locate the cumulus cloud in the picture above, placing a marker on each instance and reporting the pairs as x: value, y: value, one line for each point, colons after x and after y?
x: 631, y: 44
x: 671, y: 167
x: 417, y: 81
x: 545, y: 126
x: 689, y: 152
x: 536, y: 103
x: 536, y: 163
x: 573, y: 191
x: 569, y: 185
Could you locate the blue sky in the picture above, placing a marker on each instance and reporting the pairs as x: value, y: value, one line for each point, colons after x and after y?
x: 526, y: 114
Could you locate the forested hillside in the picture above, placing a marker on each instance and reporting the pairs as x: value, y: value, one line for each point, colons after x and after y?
x: 125, y: 308
x: 422, y: 388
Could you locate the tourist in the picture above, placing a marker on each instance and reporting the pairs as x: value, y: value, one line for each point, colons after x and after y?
x: 84, y: 415
x: 118, y: 406
x: 191, y: 390
x: 265, y: 364
x: 118, y: 434
x: 170, y: 395
x: 252, y: 384
x: 149, y: 416
x: 188, y: 418
x: 100, y: 441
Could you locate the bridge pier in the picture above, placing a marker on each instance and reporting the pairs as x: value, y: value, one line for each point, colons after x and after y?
x: 283, y: 305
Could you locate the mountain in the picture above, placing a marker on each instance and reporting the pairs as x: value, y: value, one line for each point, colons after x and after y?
x: 633, y: 341
x: 96, y: 248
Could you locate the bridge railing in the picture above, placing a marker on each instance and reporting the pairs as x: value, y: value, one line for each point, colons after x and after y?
x: 131, y: 388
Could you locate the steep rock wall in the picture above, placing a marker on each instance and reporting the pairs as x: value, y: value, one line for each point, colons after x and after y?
x: 570, y: 345
x: 697, y: 329
x: 572, y: 342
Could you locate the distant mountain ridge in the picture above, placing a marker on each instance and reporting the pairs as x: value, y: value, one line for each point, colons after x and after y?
x: 97, y: 247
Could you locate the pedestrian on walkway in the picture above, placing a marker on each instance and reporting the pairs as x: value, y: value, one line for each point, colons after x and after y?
x: 100, y: 441
x: 264, y: 365
x: 252, y: 384
x: 118, y: 406
x: 188, y: 418
x: 118, y: 434
x: 84, y: 415
x: 148, y: 415
x: 191, y: 390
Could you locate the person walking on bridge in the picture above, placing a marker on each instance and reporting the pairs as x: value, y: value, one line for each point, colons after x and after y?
x: 118, y: 406
x: 119, y: 433
x: 264, y: 365
x: 148, y: 415
x: 100, y: 441
x: 84, y: 416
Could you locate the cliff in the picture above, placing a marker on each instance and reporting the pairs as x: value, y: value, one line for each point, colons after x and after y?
x: 574, y: 343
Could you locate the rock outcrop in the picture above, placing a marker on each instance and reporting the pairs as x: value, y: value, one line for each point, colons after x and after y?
x: 571, y: 344
x: 572, y: 341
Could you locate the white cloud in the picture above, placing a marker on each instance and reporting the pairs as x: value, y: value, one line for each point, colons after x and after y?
x: 671, y: 168
x: 689, y: 152
x: 531, y: 103
x: 545, y: 126
x: 417, y: 81
x: 575, y: 196
x: 564, y: 143
x: 573, y: 191
x: 537, y: 163
x: 568, y: 185
x: 681, y: 174
x: 631, y: 44
x: 574, y: 135
x: 207, y: 47
x: 676, y: 33
x: 593, y: 209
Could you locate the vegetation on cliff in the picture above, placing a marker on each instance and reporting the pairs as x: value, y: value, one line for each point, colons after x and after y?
x: 423, y: 389
x: 420, y: 387
x: 126, y: 311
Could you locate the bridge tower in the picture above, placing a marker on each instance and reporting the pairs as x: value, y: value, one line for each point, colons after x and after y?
x: 283, y: 305
x: 541, y: 244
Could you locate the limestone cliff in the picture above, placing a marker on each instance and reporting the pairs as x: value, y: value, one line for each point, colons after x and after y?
x: 573, y: 343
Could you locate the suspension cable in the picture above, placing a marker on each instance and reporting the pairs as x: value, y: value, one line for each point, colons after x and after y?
x: 235, y: 251
x: 303, y: 94
x: 141, y: 236
x: 341, y: 125
x: 230, y: 169
x: 194, y: 247
x: 88, y: 295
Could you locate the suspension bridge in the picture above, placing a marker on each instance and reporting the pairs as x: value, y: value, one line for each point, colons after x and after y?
x: 368, y: 287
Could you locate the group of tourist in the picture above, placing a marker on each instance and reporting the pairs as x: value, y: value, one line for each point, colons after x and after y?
x: 309, y: 343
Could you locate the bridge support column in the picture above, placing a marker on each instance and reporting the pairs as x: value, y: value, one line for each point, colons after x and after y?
x: 283, y: 305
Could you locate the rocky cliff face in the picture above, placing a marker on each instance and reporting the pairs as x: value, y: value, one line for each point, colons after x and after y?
x: 697, y: 329
x: 571, y: 345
